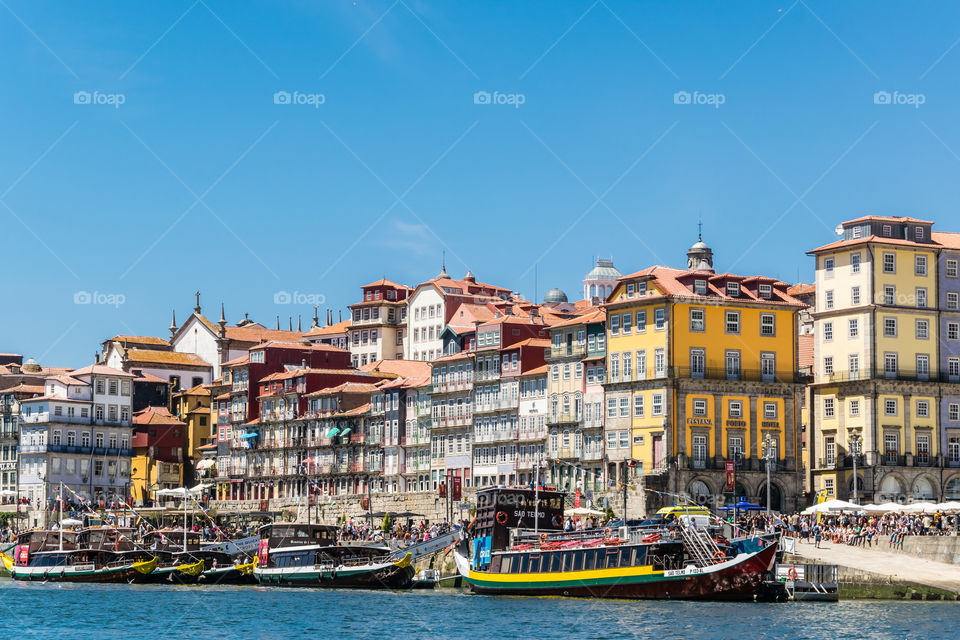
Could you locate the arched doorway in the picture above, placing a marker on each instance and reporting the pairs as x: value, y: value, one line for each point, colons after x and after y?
x: 860, y: 486
x: 953, y: 489
x: 700, y: 492
x: 776, y: 496
x: 739, y: 492
x: 923, y: 489
x: 891, y: 489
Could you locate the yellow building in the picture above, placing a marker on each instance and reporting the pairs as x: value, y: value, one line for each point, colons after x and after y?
x: 192, y: 407
x: 158, y: 440
x: 878, y: 375
x: 709, y: 361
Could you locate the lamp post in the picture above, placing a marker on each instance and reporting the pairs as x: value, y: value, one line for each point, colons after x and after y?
x: 855, y: 447
x: 768, y: 452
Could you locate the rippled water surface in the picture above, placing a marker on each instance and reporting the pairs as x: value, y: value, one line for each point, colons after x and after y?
x: 73, y: 612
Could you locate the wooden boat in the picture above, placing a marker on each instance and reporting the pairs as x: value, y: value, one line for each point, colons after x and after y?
x: 54, y: 556
x: 683, y: 564
x: 307, y: 555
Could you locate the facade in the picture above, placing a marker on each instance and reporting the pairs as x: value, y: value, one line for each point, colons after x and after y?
x: 192, y: 408
x: 377, y: 323
x: 887, y: 365
x: 159, y: 439
x: 79, y: 433
x: 532, y: 434
x: 705, y: 365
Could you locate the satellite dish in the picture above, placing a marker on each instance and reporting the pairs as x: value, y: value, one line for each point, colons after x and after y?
x: 839, y: 230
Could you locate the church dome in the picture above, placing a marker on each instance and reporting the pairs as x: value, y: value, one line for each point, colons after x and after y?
x: 555, y: 295
x: 604, y: 271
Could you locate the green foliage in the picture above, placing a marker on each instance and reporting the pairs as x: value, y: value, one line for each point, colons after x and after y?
x: 386, y: 522
x: 608, y: 514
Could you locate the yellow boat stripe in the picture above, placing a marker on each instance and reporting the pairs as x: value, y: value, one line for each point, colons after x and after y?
x: 557, y: 576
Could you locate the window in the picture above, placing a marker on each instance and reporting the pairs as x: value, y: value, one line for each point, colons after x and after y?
x: 921, y: 297
x: 659, y: 318
x: 625, y: 322
x: 611, y: 407
x: 700, y: 287
x: 112, y: 386
x: 853, y: 363
x: 659, y: 362
x: 854, y: 406
x: 615, y: 367
x: 733, y: 289
x: 615, y: 325
x: 657, y: 403
x: 828, y: 299
x: 732, y: 322
x: 889, y: 263
x: 641, y: 321
x: 697, y: 322
x: 889, y: 327
x: 733, y: 364
x: 855, y: 263
x: 830, y: 449
x: 953, y: 411
x: 828, y: 365
x: 828, y: 407
x: 638, y: 406
x: 631, y: 288
x: 853, y: 327
x: 624, y: 407
x: 700, y: 407
x: 953, y: 368
x: 922, y: 329
x: 890, y: 407
x: 768, y: 326
x: 952, y: 269
x: 828, y: 267
x: 627, y: 366
x: 889, y: 294
x: 698, y: 361
x: 828, y: 331
x: 918, y: 233
x: 923, y: 365
x: 766, y: 290
x: 770, y: 410
x: 953, y: 300
x: 953, y: 331
x: 641, y: 364
x: 855, y: 295
x: 923, y: 409
x: 566, y: 370
x: 920, y: 265
x: 735, y: 409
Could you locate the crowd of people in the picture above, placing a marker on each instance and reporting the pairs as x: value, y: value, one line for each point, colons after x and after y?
x: 398, y: 534
x: 868, y: 530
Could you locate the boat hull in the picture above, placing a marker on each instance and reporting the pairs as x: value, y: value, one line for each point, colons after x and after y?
x: 385, y: 576
x: 66, y: 574
x: 733, y: 580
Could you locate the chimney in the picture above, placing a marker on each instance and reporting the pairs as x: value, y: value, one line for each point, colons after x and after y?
x: 96, y: 357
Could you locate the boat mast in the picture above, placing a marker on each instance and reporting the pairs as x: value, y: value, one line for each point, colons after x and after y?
x: 60, y: 500
x: 184, y: 519
x: 536, y: 498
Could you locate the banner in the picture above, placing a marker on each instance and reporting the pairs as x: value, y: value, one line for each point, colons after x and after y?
x: 457, y: 488
x: 731, y: 469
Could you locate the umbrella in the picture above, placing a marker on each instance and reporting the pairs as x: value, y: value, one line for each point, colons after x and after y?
x: 71, y: 522
x: 179, y: 492
x: 8, y: 492
x: 831, y: 505
x: 582, y: 511
x: 949, y: 506
x: 920, y: 507
x: 743, y: 505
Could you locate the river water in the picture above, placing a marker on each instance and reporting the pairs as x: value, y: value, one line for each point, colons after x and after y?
x: 71, y: 612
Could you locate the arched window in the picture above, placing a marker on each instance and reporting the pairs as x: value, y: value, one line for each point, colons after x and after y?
x: 566, y: 404
x: 593, y: 290
x: 699, y: 491
x: 553, y: 406
x: 953, y: 489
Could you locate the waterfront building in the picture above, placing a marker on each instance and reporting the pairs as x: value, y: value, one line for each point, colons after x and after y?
x: 192, y: 407
x: 377, y: 322
x: 79, y: 433
x: 158, y: 443
x: 431, y: 305
x: 887, y: 364
x: 334, y: 335
x: 532, y: 433
x: 151, y: 357
x: 575, y: 364
x: 451, y: 396
x: 705, y: 365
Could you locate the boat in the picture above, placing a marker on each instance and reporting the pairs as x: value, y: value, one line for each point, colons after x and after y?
x: 55, y: 556
x: 518, y: 548
x: 308, y: 555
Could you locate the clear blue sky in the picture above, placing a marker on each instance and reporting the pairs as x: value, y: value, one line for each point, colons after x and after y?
x: 200, y: 181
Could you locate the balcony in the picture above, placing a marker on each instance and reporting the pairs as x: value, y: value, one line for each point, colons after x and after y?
x: 508, y: 435
x: 723, y: 373
x: 566, y: 452
x: 922, y: 460
x: 907, y: 375
x: 565, y: 418
x: 593, y: 423
x: 592, y: 454
x: 415, y: 440
x: 498, y: 404
x: 893, y: 459
x: 423, y: 410
x: 448, y: 386
x: 532, y: 435
x: 486, y: 375
x: 457, y: 420
x: 579, y: 350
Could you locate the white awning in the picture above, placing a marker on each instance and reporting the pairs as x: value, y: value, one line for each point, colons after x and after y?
x: 206, y: 464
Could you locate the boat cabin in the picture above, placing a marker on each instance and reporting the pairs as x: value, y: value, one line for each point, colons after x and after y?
x: 500, y: 509
x: 291, y: 534
x: 47, y: 540
x: 171, y: 540
x: 107, y: 538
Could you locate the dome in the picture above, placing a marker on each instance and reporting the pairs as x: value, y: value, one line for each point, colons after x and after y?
x: 555, y: 295
x: 699, y: 244
x: 604, y: 271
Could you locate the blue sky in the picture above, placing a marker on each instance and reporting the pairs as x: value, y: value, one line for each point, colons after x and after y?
x: 199, y: 180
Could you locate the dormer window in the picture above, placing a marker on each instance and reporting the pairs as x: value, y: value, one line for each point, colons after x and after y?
x: 642, y: 288
x: 700, y: 287
x: 886, y: 231
x: 856, y: 232
x: 918, y: 233
x: 766, y: 291
x: 631, y: 289
x: 733, y: 289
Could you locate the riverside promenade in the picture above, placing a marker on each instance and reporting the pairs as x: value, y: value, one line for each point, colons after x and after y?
x: 881, y: 563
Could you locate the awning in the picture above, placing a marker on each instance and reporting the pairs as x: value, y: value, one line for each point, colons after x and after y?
x: 332, y: 432
x: 247, y: 436
x: 206, y: 464
x: 345, y: 431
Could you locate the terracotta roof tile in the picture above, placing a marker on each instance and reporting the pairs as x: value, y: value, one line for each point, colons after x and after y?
x: 152, y: 340
x: 900, y: 219
x: 542, y: 369
x: 101, y: 370
x: 802, y: 288
x: 155, y: 416
x: 153, y: 356
x: 947, y: 239
x: 340, y: 327
x: 805, y: 355
x: 841, y: 244
x: 403, y: 368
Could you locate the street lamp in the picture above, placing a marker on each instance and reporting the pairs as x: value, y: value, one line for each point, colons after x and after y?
x: 855, y: 448
x: 769, y: 451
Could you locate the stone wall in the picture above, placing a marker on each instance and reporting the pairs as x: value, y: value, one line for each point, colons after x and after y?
x: 938, y: 548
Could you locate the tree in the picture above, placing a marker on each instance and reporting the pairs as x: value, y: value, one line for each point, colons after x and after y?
x: 386, y: 523
x: 608, y: 514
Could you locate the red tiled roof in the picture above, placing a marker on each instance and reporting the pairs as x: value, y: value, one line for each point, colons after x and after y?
x: 155, y: 416
x: 148, y: 377
x: 101, y: 370
x: 154, y: 356
x: 591, y: 315
x: 841, y: 244
x: 669, y: 280
x: 199, y: 390
x: 340, y: 327
x: 900, y: 219
x: 383, y: 282
x: 530, y: 342
x: 153, y: 340
x: 542, y: 369
x: 805, y: 356
x: 253, y: 332
x: 947, y: 239
x: 237, y: 361
x: 403, y: 368
x: 68, y: 380
x: 346, y: 387
x: 454, y: 356
x: 802, y: 288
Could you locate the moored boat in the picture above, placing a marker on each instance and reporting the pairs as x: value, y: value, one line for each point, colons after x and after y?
x: 55, y: 556
x: 308, y: 555
x: 683, y: 563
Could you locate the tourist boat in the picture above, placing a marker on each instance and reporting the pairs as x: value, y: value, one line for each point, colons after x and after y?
x: 183, y: 560
x: 519, y: 548
x: 308, y: 555
x: 56, y: 556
